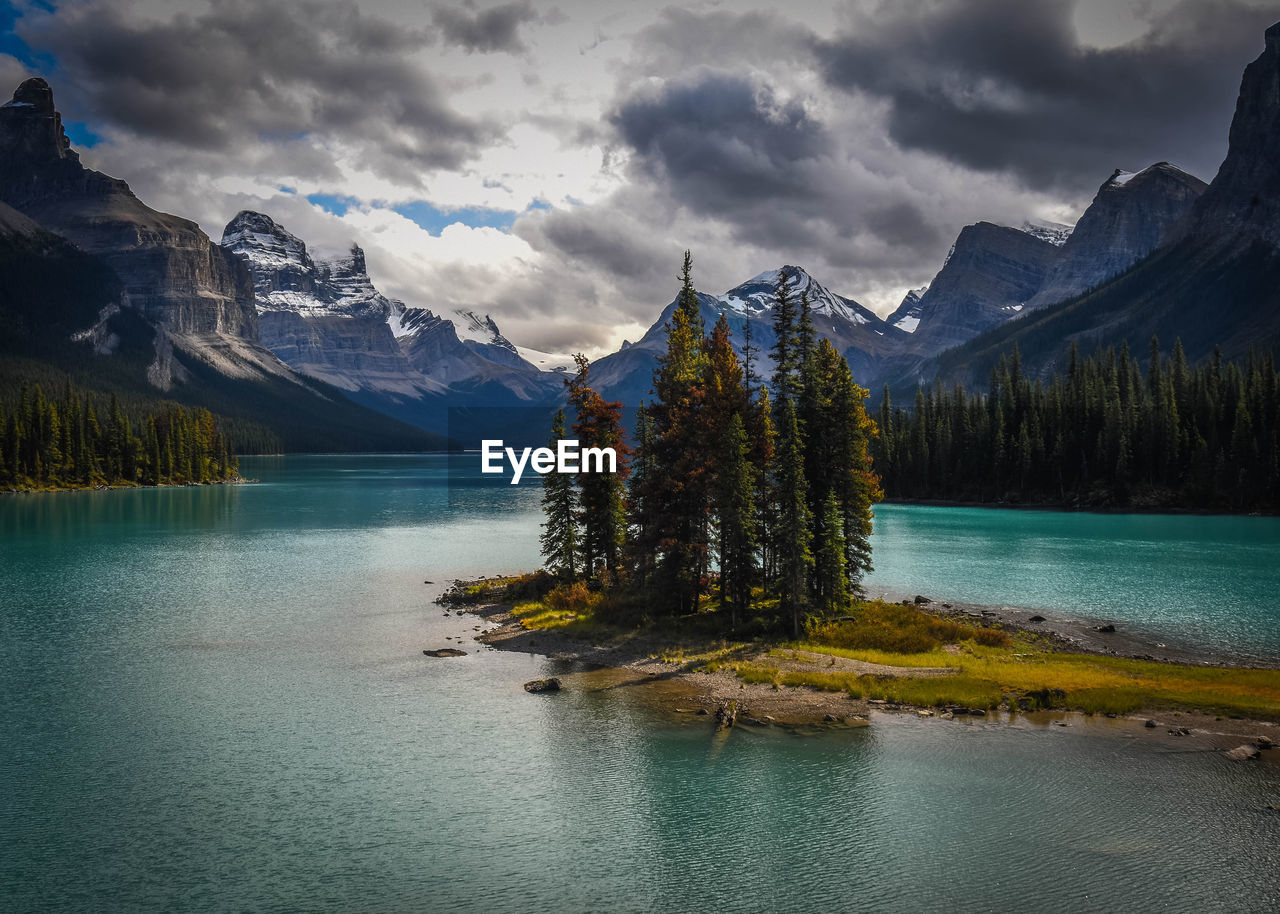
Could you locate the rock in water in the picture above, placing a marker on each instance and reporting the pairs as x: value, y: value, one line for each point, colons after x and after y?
x: 1243, y: 753
x: 726, y: 715
x: 446, y: 652
x: 542, y: 685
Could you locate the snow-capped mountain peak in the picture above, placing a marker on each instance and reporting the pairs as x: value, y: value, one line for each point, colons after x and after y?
x: 757, y: 295
x: 286, y: 278
x: 268, y: 245
x: 469, y: 326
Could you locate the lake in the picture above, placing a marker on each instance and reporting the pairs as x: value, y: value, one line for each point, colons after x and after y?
x: 215, y: 699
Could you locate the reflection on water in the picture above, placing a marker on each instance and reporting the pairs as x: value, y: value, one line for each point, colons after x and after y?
x: 215, y: 699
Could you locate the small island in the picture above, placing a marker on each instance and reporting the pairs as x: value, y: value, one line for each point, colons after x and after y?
x: 728, y: 552
x: 917, y: 656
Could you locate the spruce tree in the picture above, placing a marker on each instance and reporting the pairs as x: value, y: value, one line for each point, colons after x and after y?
x: 794, y: 529
x: 832, y: 579
x: 560, y: 523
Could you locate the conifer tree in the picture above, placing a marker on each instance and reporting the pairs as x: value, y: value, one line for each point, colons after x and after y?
x: 735, y: 510
x: 560, y: 522
x: 601, y: 503
x: 794, y: 530
x: 676, y: 493
x: 832, y: 579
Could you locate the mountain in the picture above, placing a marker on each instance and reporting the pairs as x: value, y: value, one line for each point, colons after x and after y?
x: 198, y: 298
x: 859, y: 334
x: 327, y: 320
x: 1216, y: 284
x: 1131, y: 215
x: 994, y: 273
x: 989, y: 276
x: 102, y: 289
x: 907, y: 315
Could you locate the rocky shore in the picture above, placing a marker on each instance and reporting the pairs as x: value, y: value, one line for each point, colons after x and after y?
x: 685, y: 686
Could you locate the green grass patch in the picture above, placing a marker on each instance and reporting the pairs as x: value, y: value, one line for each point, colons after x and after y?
x: 898, y: 629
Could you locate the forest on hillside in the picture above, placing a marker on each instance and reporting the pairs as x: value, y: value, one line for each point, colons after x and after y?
x: 82, y: 441
x: 1105, y: 434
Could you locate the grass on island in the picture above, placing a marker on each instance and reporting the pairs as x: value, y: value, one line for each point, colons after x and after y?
x: 987, y: 667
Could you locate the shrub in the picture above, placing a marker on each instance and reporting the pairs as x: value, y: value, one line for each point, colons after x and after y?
x: 990, y: 637
x: 571, y: 598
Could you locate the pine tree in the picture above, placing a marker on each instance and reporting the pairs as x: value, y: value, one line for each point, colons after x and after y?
x: 601, y: 503
x: 676, y: 494
x: 735, y: 509
x: 559, y: 505
x: 833, y: 581
x: 794, y: 535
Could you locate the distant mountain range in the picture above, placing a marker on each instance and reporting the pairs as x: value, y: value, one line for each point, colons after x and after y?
x: 95, y: 282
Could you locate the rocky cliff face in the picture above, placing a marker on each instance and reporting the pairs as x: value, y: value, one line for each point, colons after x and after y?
x: 1131, y: 215
x: 324, y: 319
x: 1216, y: 287
x: 327, y: 320
x: 172, y: 272
x: 1244, y: 199
x: 992, y: 272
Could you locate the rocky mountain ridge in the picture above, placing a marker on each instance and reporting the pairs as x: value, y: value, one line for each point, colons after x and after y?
x: 199, y: 298
x: 326, y: 319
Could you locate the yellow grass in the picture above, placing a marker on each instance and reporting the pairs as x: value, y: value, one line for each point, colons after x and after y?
x: 986, y: 676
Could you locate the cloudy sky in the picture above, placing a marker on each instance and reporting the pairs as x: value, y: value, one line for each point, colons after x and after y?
x: 546, y: 161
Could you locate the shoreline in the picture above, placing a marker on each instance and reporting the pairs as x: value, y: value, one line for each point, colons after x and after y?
x: 682, y: 687
x: 1059, y: 507
x: 103, y: 487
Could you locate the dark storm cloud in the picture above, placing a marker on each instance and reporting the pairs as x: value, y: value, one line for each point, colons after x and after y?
x: 244, y: 71
x: 605, y: 238
x: 727, y: 146
x: 722, y: 140
x: 493, y: 29
x: 1005, y: 85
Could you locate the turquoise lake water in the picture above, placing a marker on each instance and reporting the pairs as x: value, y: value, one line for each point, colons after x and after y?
x: 215, y: 700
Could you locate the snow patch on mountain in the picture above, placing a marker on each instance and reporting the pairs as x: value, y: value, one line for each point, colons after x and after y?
x: 1053, y: 232
x: 758, y: 295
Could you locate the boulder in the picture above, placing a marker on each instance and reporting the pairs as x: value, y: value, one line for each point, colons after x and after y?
x: 446, y: 652
x: 726, y: 715
x: 1151, y: 725
x: 542, y: 685
x: 1036, y: 619
x: 1107, y: 629
x: 1263, y: 742
x: 922, y: 601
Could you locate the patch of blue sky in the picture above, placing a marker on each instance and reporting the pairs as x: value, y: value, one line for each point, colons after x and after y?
x: 15, y: 47
x: 334, y: 204
x: 80, y: 134
x: 433, y: 219
x: 430, y: 218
